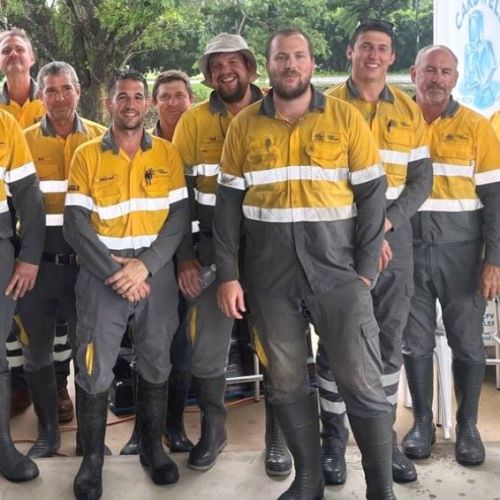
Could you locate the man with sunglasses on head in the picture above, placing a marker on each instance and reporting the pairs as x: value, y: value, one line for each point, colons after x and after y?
x: 399, y: 131
x: 229, y: 67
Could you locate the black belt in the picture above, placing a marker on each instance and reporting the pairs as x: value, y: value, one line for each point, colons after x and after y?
x: 60, y: 259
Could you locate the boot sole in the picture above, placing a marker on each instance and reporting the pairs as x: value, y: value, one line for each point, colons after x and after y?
x: 278, y: 473
x: 203, y: 468
x: 470, y: 463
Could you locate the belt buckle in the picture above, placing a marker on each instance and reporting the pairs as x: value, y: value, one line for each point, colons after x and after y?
x: 57, y: 261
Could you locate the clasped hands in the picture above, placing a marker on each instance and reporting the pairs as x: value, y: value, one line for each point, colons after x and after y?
x: 130, y: 281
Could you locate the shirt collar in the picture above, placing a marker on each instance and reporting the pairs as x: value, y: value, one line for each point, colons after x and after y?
x: 353, y: 93
x: 109, y: 143
x: 451, y: 108
x: 49, y: 131
x: 318, y: 101
x: 4, y: 96
x: 217, y: 105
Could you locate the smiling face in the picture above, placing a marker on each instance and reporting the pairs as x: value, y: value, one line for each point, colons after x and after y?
x: 60, y: 97
x: 229, y: 75
x: 128, y: 105
x: 290, y: 65
x: 16, y: 55
x: 371, y: 56
x: 435, y: 76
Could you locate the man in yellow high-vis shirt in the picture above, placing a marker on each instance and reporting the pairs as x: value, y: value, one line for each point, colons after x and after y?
x: 126, y: 213
x: 456, y: 238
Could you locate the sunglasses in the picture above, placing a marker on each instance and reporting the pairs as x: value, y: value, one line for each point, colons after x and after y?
x: 378, y: 24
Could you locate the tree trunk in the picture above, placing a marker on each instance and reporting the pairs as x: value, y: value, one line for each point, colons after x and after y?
x: 92, y: 102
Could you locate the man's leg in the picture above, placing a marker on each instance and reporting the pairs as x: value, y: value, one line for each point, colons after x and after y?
x: 62, y: 361
x: 345, y: 322
x: 209, y: 332
x: 280, y: 327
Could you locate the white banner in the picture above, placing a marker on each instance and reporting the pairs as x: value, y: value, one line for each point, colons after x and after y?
x: 471, y: 28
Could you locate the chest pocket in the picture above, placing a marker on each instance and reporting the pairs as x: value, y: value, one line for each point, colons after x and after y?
x: 46, y: 169
x: 455, y: 152
x: 261, y: 163
x: 326, y: 154
x: 155, y: 182
x: 397, y: 134
x: 211, y: 149
x: 107, y: 190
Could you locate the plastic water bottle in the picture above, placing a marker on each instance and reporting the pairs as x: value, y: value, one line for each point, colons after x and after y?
x: 206, y: 276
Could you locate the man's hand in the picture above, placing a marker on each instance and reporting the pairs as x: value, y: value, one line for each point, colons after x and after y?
x: 132, y: 274
x: 230, y: 299
x: 387, y: 225
x: 139, y: 293
x: 188, y: 275
x: 385, y: 256
x: 366, y: 281
x: 489, y: 282
x: 22, y: 280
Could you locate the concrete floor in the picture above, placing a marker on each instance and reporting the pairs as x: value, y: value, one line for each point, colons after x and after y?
x: 239, y: 472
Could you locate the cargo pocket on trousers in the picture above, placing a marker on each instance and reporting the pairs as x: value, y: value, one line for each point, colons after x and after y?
x: 371, y: 351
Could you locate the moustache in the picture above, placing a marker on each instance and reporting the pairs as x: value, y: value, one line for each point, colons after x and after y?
x: 436, y: 87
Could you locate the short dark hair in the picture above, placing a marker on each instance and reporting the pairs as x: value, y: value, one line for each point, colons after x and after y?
x: 127, y: 74
x: 381, y: 25
x: 172, y: 75
x: 288, y: 32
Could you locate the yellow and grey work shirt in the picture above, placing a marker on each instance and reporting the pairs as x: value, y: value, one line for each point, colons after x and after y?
x: 52, y: 157
x: 199, y: 137
x: 495, y: 123
x: 465, y: 200
x: 29, y: 113
x: 399, y: 130
x: 134, y: 207
x: 18, y: 178
x: 310, y: 195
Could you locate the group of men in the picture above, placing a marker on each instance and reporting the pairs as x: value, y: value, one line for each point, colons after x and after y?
x: 354, y: 211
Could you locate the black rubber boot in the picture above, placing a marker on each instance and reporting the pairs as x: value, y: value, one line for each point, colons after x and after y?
x: 213, y: 438
x: 151, y: 414
x: 468, y: 379
x: 374, y: 438
x: 299, y: 422
x: 334, y: 436
x: 418, y: 441
x: 132, y: 445
x: 175, y: 434
x: 278, y: 461
x: 13, y: 465
x: 403, y: 470
x: 43, y: 387
x: 91, y: 413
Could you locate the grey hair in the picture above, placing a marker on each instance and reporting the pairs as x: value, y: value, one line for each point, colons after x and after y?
x: 56, y: 68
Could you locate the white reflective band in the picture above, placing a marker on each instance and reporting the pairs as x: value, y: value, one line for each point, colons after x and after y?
x: 62, y: 356
x: 296, y: 173
x: 448, y: 170
x: 132, y: 205
x: 60, y: 339
x: 195, y: 226
x: 178, y: 195
x: 300, y: 214
x: 367, y: 174
x: 54, y: 220
x: 19, y: 173
x: 15, y: 361
x: 396, y: 157
x: 337, y: 408
x: 13, y: 345
x: 393, y: 398
x: 128, y: 242
x: 205, y: 198
x: 207, y: 169
x: 392, y: 193
x: 419, y: 153
x: 232, y: 181
x: 53, y: 186
x: 390, y: 379
x: 190, y: 171
x: 327, y: 385
x: 436, y: 205
x: 79, y: 200
x: 487, y: 177
x: 2, y: 173
x: 4, y: 206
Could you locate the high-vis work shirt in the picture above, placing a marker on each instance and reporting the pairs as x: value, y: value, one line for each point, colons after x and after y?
x: 29, y: 113
x: 311, y: 197
x: 199, y: 137
x: 18, y: 177
x: 132, y: 207
x: 399, y: 130
x: 52, y: 157
x: 465, y: 200
x: 495, y: 123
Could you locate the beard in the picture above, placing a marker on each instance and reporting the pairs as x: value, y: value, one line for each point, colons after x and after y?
x: 235, y: 95
x: 285, y: 91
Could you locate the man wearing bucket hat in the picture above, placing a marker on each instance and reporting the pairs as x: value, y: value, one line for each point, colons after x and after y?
x: 229, y: 67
